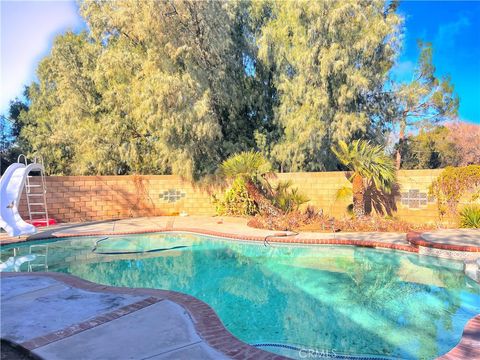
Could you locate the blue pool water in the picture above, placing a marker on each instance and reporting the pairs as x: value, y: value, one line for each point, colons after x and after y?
x: 330, y: 300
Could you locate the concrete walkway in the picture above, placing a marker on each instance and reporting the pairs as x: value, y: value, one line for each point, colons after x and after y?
x: 57, y: 316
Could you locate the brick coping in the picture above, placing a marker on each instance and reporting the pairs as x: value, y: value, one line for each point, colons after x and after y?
x: 205, y: 320
x: 469, y: 345
x: 416, y: 239
x: 275, y: 238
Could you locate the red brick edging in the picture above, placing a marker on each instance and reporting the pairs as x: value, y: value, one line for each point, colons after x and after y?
x: 469, y: 345
x: 416, y: 239
x: 287, y: 239
x: 206, y: 322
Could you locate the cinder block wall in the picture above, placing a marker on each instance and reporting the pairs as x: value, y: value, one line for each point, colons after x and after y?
x: 408, y: 201
x: 84, y: 198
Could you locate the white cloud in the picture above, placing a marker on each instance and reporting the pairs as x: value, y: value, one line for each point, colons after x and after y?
x: 447, y: 33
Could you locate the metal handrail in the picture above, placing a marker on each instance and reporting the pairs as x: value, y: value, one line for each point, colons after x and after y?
x: 24, y: 157
x: 36, y: 160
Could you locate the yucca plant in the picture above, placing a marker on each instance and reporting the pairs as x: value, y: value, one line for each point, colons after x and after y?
x: 369, y: 163
x: 470, y: 217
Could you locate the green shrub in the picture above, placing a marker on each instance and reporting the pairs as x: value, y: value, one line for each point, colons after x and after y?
x: 453, y: 184
x: 286, y: 198
x: 470, y: 217
x: 236, y: 201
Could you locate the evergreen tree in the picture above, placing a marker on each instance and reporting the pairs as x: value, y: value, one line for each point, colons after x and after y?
x: 154, y: 87
x: 329, y: 62
x: 425, y: 100
x: 430, y: 149
x: 176, y: 87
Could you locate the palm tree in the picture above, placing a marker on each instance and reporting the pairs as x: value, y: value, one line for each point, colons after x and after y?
x: 369, y: 163
x: 253, y: 168
x: 248, y: 164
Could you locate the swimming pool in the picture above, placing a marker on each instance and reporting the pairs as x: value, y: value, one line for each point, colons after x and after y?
x: 325, y: 299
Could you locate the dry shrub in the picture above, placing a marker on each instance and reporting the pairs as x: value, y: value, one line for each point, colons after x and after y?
x: 378, y: 223
x: 289, y: 221
x: 310, y: 220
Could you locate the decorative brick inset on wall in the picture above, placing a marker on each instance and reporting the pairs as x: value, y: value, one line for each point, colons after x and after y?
x: 415, y: 199
x: 172, y: 195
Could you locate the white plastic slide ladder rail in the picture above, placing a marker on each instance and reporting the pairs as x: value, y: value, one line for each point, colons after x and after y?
x: 36, y: 201
x: 12, y: 184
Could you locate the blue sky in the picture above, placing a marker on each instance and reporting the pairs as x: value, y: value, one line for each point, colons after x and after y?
x: 28, y: 27
x: 27, y: 32
x: 453, y: 27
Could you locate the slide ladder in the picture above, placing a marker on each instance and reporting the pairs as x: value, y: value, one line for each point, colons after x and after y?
x: 12, y: 183
x: 36, y: 194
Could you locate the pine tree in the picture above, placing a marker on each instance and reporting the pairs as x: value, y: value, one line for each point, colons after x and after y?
x: 426, y: 99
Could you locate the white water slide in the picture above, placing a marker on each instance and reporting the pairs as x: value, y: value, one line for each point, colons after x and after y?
x: 12, y: 183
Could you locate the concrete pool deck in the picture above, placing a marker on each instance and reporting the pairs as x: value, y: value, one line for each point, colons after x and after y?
x: 57, y: 316
x: 229, y: 226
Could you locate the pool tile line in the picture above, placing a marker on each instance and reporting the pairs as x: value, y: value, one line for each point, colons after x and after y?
x: 74, y: 329
x: 206, y: 322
